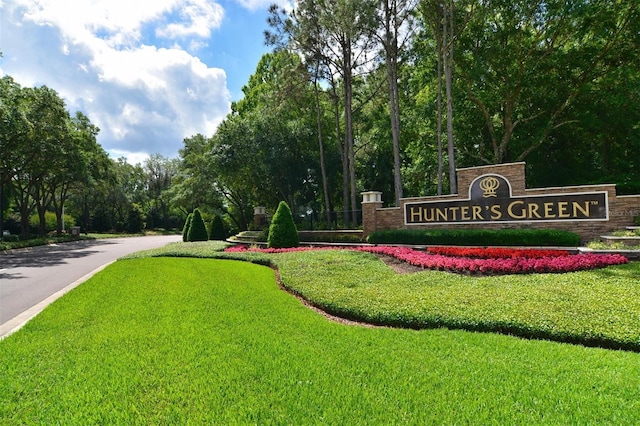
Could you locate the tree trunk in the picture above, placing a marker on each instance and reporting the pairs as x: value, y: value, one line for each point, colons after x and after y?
x: 440, y: 64
x: 342, y: 150
x: 323, y: 167
x: 348, y: 124
x: 448, y: 71
x: 391, y: 51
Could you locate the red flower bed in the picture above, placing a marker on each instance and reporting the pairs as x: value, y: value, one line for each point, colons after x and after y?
x: 511, y: 265
x: 496, y: 252
x: 556, y: 261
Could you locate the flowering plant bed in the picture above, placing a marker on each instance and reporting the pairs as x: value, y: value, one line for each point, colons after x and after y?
x: 510, y: 265
x: 496, y: 252
x: 515, y: 261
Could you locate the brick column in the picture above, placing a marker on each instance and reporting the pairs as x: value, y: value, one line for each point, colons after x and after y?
x: 371, y: 202
x: 259, y: 217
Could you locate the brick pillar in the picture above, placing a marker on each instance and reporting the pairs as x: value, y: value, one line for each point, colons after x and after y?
x: 371, y: 201
x: 259, y: 217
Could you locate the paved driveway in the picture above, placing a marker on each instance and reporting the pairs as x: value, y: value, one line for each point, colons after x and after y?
x: 32, y: 278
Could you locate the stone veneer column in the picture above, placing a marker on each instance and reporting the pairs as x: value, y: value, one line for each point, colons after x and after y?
x: 259, y: 216
x: 371, y: 201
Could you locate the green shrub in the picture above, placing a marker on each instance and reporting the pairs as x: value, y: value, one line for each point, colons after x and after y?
x: 282, y: 231
x: 197, y: 230
x: 217, y: 229
x: 477, y: 237
x: 12, y: 238
x: 50, y: 221
x: 330, y: 236
x: 187, y: 225
x: 636, y: 220
x: 135, y: 219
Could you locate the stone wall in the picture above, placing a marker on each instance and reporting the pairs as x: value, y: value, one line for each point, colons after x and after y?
x: 621, y: 209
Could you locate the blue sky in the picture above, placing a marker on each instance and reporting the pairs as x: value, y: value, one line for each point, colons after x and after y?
x: 147, y: 72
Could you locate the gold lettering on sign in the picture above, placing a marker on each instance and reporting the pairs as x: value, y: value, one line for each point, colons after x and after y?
x: 563, y: 206
x: 477, y: 213
x: 454, y: 212
x: 533, y: 211
x: 489, y: 185
x: 521, y: 213
x: 537, y: 208
x: 415, y: 214
x: 548, y: 211
x: 496, y: 213
x: 585, y: 211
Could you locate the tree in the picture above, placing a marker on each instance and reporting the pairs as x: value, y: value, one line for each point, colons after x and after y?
x: 14, y: 126
x: 194, y: 183
x: 264, y: 151
x: 439, y: 18
x: 396, y: 23
x: 282, y: 230
x: 160, y: 173
x: 77, y: 165
x: 339, y: 34
x: 135, y: 219
x: 39, y: 143
x: 525, y: 63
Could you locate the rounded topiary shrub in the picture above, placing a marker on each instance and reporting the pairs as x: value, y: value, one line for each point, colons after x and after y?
x: 197, y: 230
x: 282, y: 231
x: 217, y: 229
x: 187, y: 225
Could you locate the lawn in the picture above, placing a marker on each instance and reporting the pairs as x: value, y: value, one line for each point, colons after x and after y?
x: 178, y: 340
x: 598, y: 308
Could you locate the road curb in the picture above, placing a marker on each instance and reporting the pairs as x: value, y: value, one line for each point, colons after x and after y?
x: 17, y: 322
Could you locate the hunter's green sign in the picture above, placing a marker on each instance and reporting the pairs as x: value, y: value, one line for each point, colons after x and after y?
x: 490, y: 200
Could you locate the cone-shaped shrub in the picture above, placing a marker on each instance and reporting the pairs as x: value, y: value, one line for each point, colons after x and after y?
x: 197, y: 230
x: 217, y: 229
x: 187, y: 225
x: 282, y: 231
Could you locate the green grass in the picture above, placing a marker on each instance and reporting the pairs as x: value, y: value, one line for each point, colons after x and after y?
x: 595, y: 308
x: 599, y: 307
x: 198, y: 341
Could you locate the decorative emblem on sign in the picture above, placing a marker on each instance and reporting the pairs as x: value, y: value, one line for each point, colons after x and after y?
x: 489, y: 185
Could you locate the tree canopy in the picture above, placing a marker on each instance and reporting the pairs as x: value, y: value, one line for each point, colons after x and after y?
x: 363, y: 95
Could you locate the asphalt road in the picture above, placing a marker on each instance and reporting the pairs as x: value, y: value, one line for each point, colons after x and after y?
x: 32, y: 278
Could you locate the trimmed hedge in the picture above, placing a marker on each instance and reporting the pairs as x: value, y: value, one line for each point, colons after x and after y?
x: 187, y: 225
x: 197, y: 230
x: 282, y: 231
x: 217, y: 229
x: 477, y: 237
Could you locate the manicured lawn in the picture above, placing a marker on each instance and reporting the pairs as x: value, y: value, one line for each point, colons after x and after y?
x: 599, y: 307
x: 178, y: 341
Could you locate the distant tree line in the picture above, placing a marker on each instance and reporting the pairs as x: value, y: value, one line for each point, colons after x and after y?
x: 51, y: 162
x: 394, y: 95
x: 388, y: 95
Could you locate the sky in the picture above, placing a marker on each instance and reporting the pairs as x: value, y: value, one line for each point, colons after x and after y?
x: 148, y: 73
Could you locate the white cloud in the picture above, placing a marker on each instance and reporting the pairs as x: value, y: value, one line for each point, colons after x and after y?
x: 264, y: 4
x: 97, y: 54
x: 131, y: 157
x: 197, y: 18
